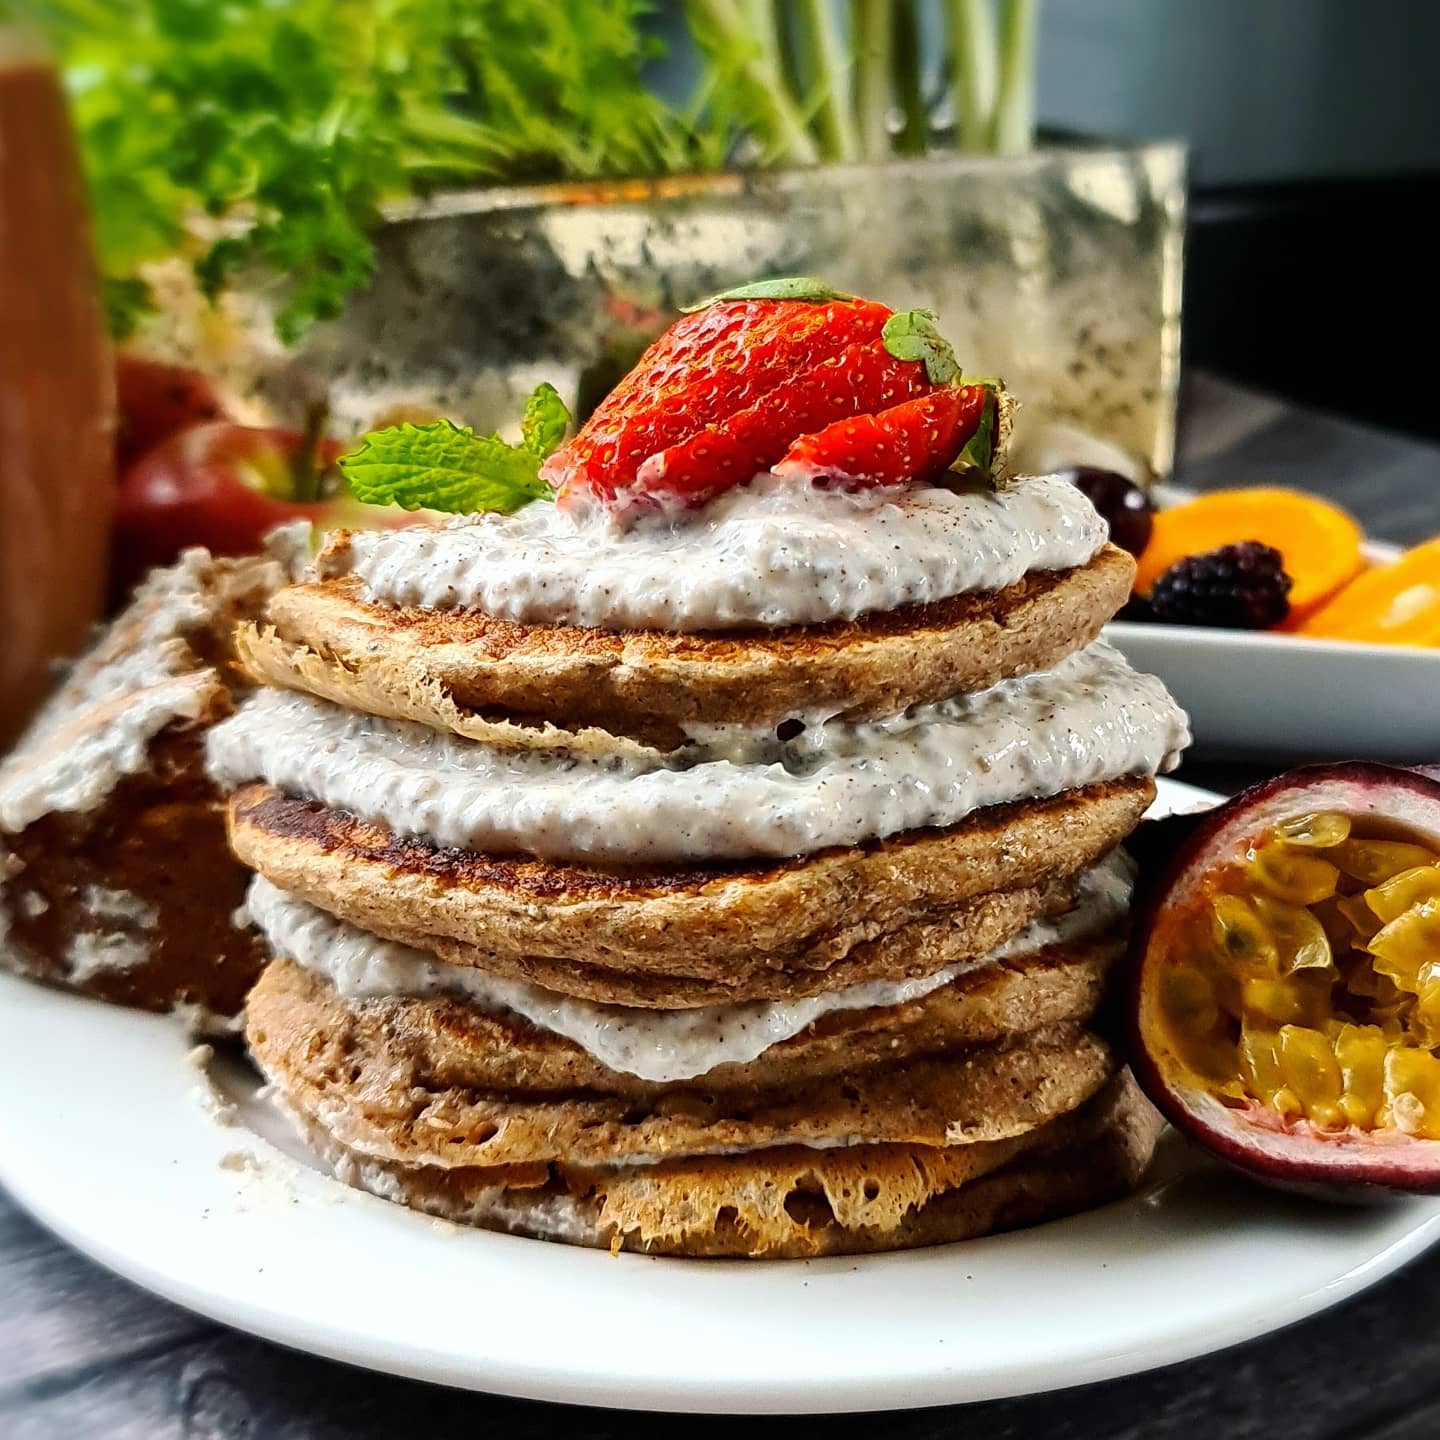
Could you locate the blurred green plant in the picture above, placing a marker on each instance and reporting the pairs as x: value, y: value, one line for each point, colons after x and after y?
x: 262, y: 137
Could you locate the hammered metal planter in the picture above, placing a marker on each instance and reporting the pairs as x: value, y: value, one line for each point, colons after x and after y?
x: 1059, y: 271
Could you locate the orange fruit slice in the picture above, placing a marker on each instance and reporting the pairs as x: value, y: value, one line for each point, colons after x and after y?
x: 1320, y: 543
x: 1395, y: 604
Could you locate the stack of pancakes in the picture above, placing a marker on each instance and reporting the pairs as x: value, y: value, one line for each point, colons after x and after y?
x: 540, y: 964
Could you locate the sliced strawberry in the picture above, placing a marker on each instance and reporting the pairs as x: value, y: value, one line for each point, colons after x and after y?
x: 703, y: 369
x: 863, y: 378
x: 915, y: 440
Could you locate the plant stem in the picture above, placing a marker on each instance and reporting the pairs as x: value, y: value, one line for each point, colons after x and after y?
x: 819, y: 32
x: 763, y: 22
x: 306, y: 471
x: 788, y: 140
x: 1014, y: 126
x: 906, y: 61
x: 972, y: 71
x: 870, y: 41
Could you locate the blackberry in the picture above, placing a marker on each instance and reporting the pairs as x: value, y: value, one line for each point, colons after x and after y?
x: 1237, y: 587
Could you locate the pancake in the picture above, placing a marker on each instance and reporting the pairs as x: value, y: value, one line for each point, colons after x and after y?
x: 115, y: 876
x: 372, y: 1088
x: 469, y: 672
x: 791, y: 1202
x: 677, y: 936
x: 465, y: 1045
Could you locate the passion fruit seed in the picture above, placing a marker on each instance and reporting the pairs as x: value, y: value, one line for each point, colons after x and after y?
x: 1318, y: 830
x: 1297, y: 877
x: 1374, y: 861
x: 1356, y: 912
x: 1314, y: 990
x: 1241, y: 936
x: 1300, y: 938
x: 1402, y: 892
x: 1403, y: 947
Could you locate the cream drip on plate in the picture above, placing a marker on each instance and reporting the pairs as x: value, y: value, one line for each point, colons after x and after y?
x: 739, y: 793
x: 663, y: 1046
x: 771, y: 553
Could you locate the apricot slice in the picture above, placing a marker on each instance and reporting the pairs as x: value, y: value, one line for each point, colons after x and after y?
x: 1395, y: 604
x: 1285, y: 981
x: 1319, y: 542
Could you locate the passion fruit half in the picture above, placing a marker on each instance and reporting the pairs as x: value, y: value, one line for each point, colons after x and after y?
x: 1285, y: 981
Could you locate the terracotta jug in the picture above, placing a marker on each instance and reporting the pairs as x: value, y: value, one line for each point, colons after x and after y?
x: 56, y: 383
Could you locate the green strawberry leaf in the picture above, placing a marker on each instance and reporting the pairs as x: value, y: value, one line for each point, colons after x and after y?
x: 911, y: 335
x: 791, y: 287
x: 979, y: 452
x: 545, y: 421
x: 443, y: 466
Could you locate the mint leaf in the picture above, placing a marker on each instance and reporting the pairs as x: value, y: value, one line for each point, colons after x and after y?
x: 911, y: 335
x: 443, y: 466
x: 545, y: 421
x: 792, y: 287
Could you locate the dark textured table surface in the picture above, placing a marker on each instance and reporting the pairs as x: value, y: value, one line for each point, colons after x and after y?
x: 83, y: 1354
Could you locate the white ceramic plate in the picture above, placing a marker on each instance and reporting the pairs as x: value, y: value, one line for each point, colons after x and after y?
x: 112, y: 1139
x: 1254, y: 693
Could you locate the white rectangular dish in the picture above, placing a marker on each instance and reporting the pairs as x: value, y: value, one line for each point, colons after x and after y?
x: 1282, y: 696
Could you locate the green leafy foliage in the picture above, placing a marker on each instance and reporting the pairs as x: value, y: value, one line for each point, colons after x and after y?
x: 264, y: 136
x: 545, y: 421
x: 448, y: 467
x: 790, y: 287
x: 911, y: 335
x: 978, y: 456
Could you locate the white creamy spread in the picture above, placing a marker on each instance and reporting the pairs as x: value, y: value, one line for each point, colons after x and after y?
x: 97, y: 728
x: 663, y: 1046
x: 80, y: 769
x: 739, y: 793
x: 773, y: 552
x: 119, y: 905
x: 89, y: 955
x: 141, y: 675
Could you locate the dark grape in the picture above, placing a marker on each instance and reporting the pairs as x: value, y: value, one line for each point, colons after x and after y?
x: 1125, y: 506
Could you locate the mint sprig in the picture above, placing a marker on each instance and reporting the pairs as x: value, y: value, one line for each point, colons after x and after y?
x: 448, y: 467
x: 911, y: 335
x: 789, y: 287
x: 545, y: 421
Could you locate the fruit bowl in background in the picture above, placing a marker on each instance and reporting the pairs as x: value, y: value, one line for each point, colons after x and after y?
x: 1287, y: 695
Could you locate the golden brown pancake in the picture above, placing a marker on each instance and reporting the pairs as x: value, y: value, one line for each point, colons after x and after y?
x: 373, y: 1091
x: 466, y: 671
x: 697, y: 935
x: 460, y: 1044
x: 124, y: 888
x: 790, y: 1201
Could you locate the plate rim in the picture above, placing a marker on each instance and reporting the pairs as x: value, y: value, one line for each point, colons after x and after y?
x: 33, y: 1167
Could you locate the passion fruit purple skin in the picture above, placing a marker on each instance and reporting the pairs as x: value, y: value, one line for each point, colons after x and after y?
x: 1344, y: 1166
